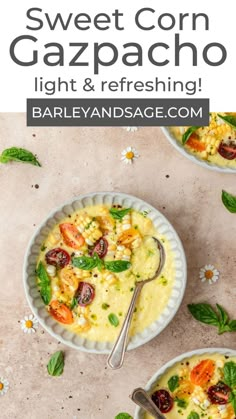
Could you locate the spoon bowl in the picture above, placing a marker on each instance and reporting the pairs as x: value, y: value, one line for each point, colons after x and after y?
x: 142, y: 399
x: 116, y: 358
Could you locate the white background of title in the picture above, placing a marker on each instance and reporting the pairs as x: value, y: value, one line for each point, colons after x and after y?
x: 218, y: 83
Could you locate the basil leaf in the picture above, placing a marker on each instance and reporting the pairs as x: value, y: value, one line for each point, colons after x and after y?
x: 223, y: 329
x: 44, y: 284
x: 230, y: 373
x: 232, y: 400
x: 42, y: 273
x: 99, y: 262
x: 193, y: 415
x: 173, y: 383
x: 117, y: 265
x: 232, y: 325
x: 55, y: 366
x: 204, y: 313
x: 229, y: 119
x: 74, y: 303
x: 18, y: 154
x: 229, y: 201
x: 181, y: 403
x: 223, y: 316
x: 123, y: 416
x: 113, y: 319
x: 188, y: 133
x: 46, y: 293
x: 85, y: 262
x: 118, y: 214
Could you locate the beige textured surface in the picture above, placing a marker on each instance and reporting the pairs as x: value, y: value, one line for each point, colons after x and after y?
x: 80, y: 160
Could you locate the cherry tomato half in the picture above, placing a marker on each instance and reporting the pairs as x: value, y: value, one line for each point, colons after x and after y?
x: 202, y: 372
x: 163, y: 400
x: 219, y: 394
x: 60, y: 312
x: 227, y: 150
x: 71, y: 235
x: 195, y: 143
x: 57, y: 257
x: 85, y: 294
x: 101, y: 247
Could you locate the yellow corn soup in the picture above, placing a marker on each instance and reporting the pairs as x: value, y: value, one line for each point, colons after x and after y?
x: 88, y: 267
x: 198, y: 387
x: 215, y: 143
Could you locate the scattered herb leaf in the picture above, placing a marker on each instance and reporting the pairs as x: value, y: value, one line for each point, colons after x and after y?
x: 204, y: 313
x: 223, y: 316
x: 18, y: 154
x: 105, y: 306
x: 123, y: 416
x: 229, y: 201
x: 55, y: 366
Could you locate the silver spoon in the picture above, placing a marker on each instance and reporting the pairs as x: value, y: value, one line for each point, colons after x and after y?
x: 116, y: 358
x: 142, y: 399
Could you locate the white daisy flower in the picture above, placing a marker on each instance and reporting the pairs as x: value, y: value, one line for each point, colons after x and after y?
x: 209, y: 274
x: 4, y: 386
x: 29, y: 324
x: 129, y: 155
x: 131, y: 129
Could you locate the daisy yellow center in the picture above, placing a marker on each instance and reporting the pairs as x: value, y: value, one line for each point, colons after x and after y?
x: 28, y: 324
x: 1, y: 386
x: 129, y: 155
x: 209, y: 274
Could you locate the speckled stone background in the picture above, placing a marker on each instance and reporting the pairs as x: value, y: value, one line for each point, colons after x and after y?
x: 80, y: 160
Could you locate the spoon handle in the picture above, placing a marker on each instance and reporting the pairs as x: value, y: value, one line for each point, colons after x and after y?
x: 116, y: 357
x: 142, y: 399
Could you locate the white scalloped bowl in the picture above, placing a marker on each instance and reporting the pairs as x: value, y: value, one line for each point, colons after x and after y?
x: 195, y: 159
x: 139, y: 412
x: 110, y: 198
